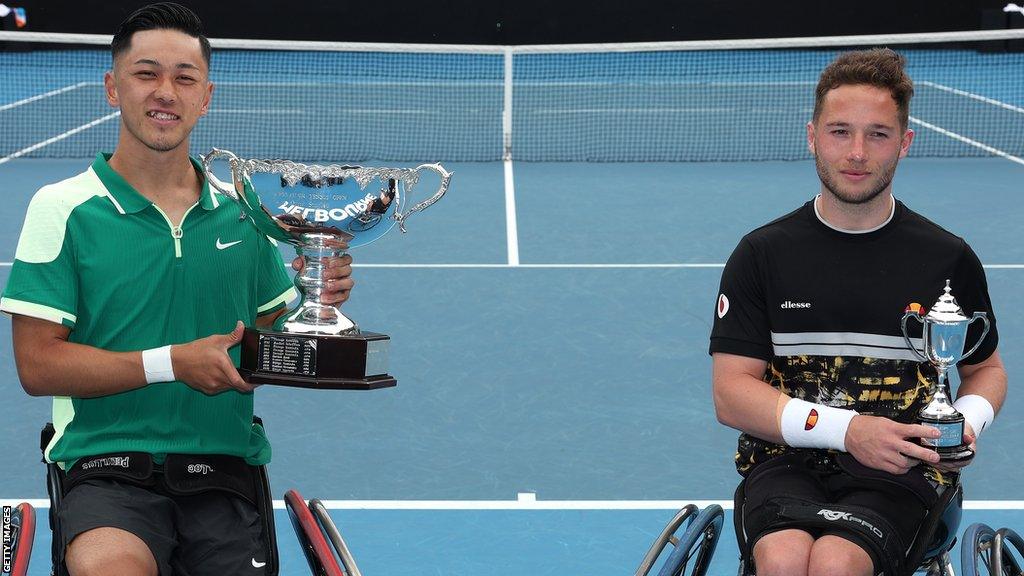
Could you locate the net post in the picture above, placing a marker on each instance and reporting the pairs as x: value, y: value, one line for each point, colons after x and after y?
x: 506, y: 110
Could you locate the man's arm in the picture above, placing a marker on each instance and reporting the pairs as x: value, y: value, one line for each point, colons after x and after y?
x: 742, y: 399
x: 49, y: 365
x: 745, y: 402
x: 986, y: 379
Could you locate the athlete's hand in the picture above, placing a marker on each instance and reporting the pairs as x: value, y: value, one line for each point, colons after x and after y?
x: 970, y: 439
x: 204, y: 364
x: 883, y: 444
x: 337, y: 276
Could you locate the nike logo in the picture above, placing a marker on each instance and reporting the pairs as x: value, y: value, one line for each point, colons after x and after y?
x: 221, y: 245
x: 256, y: 564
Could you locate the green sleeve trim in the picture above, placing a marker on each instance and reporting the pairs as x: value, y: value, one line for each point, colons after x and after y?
x: 63, y: 414
x: 12, y: 306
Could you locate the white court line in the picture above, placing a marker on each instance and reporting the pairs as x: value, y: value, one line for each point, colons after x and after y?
x: 968, y: 141
x: 973, y: 96
x: 41, y: 96
x: 511, y: 227
x: 579, y: 266
x: 525, y: 503
x: 59, y: 137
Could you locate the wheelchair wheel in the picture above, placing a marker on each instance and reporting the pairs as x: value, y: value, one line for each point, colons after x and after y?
x: 327, y: 526
x: 1004, y: 544
x: 314, y: 546
x: 22, y: 533
x: 988, y: 552
x: 694, y: 550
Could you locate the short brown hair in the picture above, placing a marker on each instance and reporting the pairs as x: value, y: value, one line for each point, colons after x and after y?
x: 879, y: 67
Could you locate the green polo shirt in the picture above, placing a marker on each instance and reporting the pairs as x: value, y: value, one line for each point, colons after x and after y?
x: 101, y: 259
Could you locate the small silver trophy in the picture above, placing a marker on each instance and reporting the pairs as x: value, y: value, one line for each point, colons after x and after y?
x: 319, y: 208
x: 944, y: 332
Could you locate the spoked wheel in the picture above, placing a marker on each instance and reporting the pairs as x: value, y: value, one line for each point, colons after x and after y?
x: 988, y: 552
x: 694, y: 550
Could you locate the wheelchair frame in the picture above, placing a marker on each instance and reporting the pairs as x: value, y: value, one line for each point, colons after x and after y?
x: 984, y: 551
x: 328, y: 556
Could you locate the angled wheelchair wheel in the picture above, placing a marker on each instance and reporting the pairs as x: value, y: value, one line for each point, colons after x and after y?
x: 976, y: 549
x: 1007, y: 553
x: 22, y: 533
x: 988, y: 552
x: 316, y: 549
x: 330, y: 530
x: 695, y: 548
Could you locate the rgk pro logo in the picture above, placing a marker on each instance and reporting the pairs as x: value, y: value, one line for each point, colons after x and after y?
x: 835, y: 515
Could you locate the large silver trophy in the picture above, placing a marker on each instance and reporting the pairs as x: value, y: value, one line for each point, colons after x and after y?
x: 944, y: 333
x: 319, y: 209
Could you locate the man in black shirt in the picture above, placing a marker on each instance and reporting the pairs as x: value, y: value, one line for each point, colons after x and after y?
x: 809, y: 359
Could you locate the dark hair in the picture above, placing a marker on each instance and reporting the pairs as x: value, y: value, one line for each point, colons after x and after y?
x: 879, y: 67
x: 160, y: 16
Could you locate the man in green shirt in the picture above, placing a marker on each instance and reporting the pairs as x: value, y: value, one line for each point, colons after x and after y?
x: 129, y: 292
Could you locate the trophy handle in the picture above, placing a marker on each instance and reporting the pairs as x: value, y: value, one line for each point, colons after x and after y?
x: 446, y: 177
x: 984, y: 318
x: 207, y: 164
x: 906, y: 337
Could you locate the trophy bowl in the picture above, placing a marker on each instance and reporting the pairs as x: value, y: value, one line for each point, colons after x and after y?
x: 944, y: 333
x: 323, y: 211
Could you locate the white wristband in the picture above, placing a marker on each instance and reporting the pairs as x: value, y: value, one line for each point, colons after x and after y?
x: 977, y: 411
x: 157, y: 364
x: 807, y: 425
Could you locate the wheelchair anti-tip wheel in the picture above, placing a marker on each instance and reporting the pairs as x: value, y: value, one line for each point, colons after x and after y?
x: 693, y: 549
x: 19, y: 532
x: 988, y: 552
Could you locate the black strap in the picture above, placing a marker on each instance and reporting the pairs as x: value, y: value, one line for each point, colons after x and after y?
x: 875, y: 531
x: 133, y: 467
x: 189, y: 474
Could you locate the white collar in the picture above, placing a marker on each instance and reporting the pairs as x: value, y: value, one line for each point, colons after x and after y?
x: 892, y: 212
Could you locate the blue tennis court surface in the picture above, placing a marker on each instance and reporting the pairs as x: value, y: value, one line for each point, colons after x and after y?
x: 584, y: 380
x: 549, y: 337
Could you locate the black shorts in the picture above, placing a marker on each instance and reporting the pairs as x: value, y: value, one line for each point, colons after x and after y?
x: 902, y: 501
x: 215, y: 533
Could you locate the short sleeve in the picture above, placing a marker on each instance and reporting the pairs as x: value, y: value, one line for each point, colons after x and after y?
x: 970, y: 288
x: 741, y: 324
x: 274, y: 285
x: 43, y: 282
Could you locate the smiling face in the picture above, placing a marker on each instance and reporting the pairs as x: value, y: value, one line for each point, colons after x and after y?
x: 162, y: 87
x: 857, y: 141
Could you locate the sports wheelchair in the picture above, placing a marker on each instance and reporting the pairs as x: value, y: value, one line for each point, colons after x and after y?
x: 694, y: 534
x: 322, y: 544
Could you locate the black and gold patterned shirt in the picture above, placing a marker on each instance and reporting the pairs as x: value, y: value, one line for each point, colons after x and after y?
x: 823, y: 308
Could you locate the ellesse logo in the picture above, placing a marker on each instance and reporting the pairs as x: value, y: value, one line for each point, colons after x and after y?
x: 812, y: 420
x: 723, y: 305
x: 787, y: 305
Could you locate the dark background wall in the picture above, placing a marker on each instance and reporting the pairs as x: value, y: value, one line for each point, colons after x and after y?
x: 539, y: 21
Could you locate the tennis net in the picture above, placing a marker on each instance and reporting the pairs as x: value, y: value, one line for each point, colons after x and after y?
x: 685, y: 101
